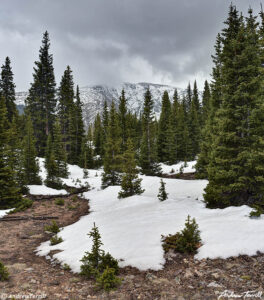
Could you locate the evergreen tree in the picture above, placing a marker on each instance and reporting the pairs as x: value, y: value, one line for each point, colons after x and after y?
x: 148, y: 153
x: 163, y: 128
x: 184, y: 146
x: 98, y: 136
x: 60, y: 154
x: 112, y: 157
x: 15, y: 156
x: 172, y: 135
x: 76, y: 130
x: 87, y: 161
x: 194, y: 131
x: 30, y: 162
x: 162, y: 195
x: 52, y: 167
x: 41, y: 101
x: 236, y: 170
x: 214, y: 104
x: 130, y: 184
x: 7, y: 89
x: 205, y: 102
x: 66, y: 112
x: 9, y: 192
x: 122, y: 114
x: 104, y: 126
x: 195, y: 98
x: 188, y: 98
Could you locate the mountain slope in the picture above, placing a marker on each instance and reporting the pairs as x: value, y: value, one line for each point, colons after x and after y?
x: 93, y: 97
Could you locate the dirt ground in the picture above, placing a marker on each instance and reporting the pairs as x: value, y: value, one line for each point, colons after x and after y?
x: 183, y: 277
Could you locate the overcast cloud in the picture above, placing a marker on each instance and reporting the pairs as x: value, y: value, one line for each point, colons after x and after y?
x: 112, y: 41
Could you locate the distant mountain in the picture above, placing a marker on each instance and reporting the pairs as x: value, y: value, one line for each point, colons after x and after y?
x: 93, y: 97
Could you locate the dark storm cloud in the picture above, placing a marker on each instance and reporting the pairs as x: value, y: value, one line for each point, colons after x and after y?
x: 111, y: 41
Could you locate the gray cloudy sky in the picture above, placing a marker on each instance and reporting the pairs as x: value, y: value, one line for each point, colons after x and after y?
x: 112, y: 41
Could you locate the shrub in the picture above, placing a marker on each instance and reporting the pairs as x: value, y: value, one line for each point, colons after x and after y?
x: 59, y: 201
x: 256, y: 212
x: 96, y: 261
x: 108, y: 280
x: 4, y: 275
x: 186, y: 241
x: 55, y: 240
x: 75, y: 198
x: 24, y: 204
x: 54, y: 228
x: 66, y: 267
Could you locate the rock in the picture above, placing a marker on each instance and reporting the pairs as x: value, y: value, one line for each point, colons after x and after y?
x: 245, y: 277
x: 151, y: 276
x: 33, y: 281
x: 24, y: 237
x: 203, y: 264
x: 178, y: 272
x: 29, y: 270
x: 230, y: 266
x: 74, y: 280
x: 54, y: 282
x: 163, y: 281
x: 188, y: 273
x: 197, y: 273
x: 130, y: 277
x: 180, y: 298
x: 216, y: 276
x: 17, y: 267
x: 25, y: 286
x: 214, y: 284
x: 177, y: 280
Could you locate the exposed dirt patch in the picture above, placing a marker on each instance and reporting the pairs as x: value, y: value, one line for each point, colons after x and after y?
x: 182, y: 277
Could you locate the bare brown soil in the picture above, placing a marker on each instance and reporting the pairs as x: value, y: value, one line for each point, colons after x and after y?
x: 182, y: 277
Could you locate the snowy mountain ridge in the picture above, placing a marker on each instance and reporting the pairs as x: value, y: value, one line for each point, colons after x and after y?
x: 93, y: 97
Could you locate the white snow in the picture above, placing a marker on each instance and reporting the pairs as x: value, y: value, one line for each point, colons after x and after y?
x: 167, y: 169
x: 4, y: 212
x: 131, y: 228
x: 44, y: 190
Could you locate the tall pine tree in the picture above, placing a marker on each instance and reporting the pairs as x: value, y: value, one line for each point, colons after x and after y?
x: 41, y: 101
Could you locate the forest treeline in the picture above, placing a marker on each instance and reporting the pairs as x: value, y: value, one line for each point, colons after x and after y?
x: 222, y: 127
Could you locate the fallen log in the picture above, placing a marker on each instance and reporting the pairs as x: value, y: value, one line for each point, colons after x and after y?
x: 26, y: 218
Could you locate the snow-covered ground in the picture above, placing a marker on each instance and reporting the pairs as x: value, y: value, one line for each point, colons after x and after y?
x: 4, y: 212
x: 44, y: 190
x: 131, y: 228
x: 190, y: 167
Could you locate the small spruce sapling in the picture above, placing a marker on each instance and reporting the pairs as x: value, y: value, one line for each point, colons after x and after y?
x: 96, y: 261
x: 54, y: 228
x: 108, y: 280
x: 4, y: 275
x: 162, y: 195
x: 186, y: 241
x: 130, y: 184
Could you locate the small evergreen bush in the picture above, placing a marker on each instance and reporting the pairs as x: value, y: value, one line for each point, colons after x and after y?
x: 96, y: 261
x: 59, y: 201
x: 22, y: 205
x: 186, y: 241
x: 54, y: 228
x: 4, y: 275
x: 108, y: 280
x: 256, y: 212
x: 66, y: 267
x: 162, y: 195
x: 55, y: 240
